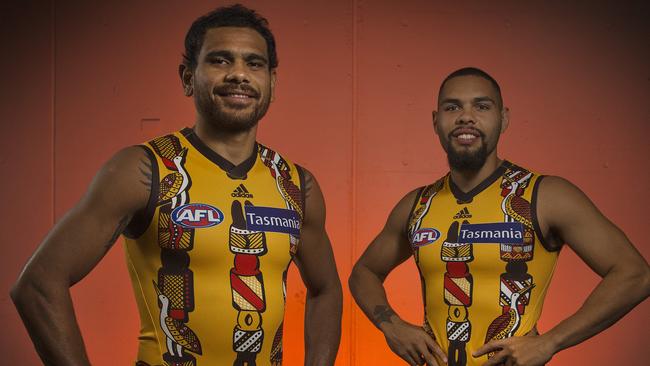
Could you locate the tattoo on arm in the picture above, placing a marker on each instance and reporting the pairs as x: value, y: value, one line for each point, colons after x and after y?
x: 382, y: 313
x: 118, y: 231
x: 145, y: 169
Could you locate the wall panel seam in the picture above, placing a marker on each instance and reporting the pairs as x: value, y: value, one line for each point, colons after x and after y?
x: 353, y: 175
x: 53, y: 106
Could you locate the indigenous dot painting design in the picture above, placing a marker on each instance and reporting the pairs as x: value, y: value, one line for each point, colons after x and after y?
x: 515, y: 283
x: 175, y: 286
x: 458, y: 282
x: 246, y: 280
x: 419, y: 211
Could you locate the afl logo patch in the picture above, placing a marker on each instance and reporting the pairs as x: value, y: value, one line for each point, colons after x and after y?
x: 424, y: 237
x: 197, y: 215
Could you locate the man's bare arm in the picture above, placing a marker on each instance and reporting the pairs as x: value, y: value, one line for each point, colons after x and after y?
x: 566, y: 215
x: 315, y: 261
x: 389, y: 249
x: 72, y: 249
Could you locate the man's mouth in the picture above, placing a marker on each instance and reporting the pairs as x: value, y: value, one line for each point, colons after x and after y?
x: 466, y: 136
x: 239, y: 94
x: 236, y: 95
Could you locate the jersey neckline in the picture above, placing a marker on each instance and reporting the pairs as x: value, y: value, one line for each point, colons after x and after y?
x: 467, y: 197
x: 233, y: 171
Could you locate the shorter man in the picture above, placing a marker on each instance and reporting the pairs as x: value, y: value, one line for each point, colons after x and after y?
x: 485, y: 238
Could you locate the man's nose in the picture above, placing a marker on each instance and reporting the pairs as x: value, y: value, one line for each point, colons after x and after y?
x: 466, y: 116
x: 238, y: 73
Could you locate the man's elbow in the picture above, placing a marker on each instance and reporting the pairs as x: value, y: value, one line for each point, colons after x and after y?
x: 352, y: 280
x: 638, y: 278
x: 29, y: 288
x: 355, y: 281
x: 21, y: 290
x: 331, y: 289
x: 337, y: 292
x: 330, y: 293
x: 644, y: 280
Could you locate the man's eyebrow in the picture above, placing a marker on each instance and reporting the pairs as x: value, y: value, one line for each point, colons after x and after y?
x: 252, y: 56
x: 450, y: 101
x: 220, y: 53
x: 483, y: 99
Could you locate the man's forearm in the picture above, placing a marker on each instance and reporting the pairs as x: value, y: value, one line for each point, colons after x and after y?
x: 49, y: 318
x: 369, y: 293
x: 614, y: 296
x: 323, y: 326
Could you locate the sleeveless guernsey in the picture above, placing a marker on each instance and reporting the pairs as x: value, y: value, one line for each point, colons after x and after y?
x: 483, y: 263
x: 208, y: 258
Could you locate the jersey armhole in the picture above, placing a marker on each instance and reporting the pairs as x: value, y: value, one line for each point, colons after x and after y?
x: 142, y: 218
x: 303, y: 189
x: 538, y: 229
x: 410, y: 215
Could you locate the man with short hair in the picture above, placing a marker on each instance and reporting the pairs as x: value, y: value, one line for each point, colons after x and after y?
x: 212, y: 220
x: 485, y: 238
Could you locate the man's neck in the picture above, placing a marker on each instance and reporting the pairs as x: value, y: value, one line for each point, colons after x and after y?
x: 234, y: 147
x: 468, y: 180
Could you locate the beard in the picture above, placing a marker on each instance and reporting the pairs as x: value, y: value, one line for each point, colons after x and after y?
x: 467, y: 161
x: 232, y: 118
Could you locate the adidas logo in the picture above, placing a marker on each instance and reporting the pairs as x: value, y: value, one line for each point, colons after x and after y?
x: 241, y: 192
x: 463, y: 214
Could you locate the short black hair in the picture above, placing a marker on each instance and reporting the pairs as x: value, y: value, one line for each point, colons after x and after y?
x: 473, y: 71
x: 228, y: 16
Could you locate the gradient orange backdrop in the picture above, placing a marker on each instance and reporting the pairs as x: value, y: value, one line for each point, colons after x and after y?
x: 357, y: 81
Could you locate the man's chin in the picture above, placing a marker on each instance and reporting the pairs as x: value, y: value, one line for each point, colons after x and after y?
x: 467, y: 160
x: 237, y: 126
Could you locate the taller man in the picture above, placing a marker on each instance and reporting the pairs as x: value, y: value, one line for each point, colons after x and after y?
x: 212, y: 220
x: 485, y: 239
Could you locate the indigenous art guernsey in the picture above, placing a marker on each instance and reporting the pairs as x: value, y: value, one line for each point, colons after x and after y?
x: 208, y: 266
x: 487, y: 276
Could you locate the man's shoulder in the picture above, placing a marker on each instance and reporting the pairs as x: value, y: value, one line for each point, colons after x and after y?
x: 553, y: 186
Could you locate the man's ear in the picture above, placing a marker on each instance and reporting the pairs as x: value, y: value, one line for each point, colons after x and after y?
x: 274, y: 77
x: 505, y: 119
x: 187, y: 79
x: 434, y: 116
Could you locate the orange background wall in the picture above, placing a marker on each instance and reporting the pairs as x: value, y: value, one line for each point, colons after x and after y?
x: 357, y: 82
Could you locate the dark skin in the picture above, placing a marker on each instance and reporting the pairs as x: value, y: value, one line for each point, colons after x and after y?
x: 469, y: 104
x: 122, y: 187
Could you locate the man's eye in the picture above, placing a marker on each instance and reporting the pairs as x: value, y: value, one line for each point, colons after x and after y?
x: 219, y: 61
x: 483, y: 106
x: 255, y: 64
x: 451, y: 107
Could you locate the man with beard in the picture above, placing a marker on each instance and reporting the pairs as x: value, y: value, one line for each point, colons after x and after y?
x: 212, y: 220
x: 485, y: 239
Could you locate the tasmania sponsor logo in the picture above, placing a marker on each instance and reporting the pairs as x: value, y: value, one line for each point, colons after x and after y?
x: 272, y: 219
x: 498, y: 232
x: 197, y: 215
x: 424, y: 237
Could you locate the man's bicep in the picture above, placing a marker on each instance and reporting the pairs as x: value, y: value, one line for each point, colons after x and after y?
x: 315, y: 258
x: 82, y: 237
x: 391, y: 247
x: 576, y: 221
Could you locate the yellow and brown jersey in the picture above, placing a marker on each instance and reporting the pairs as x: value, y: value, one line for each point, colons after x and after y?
x: 483, y: 263
x: 208, y: 257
